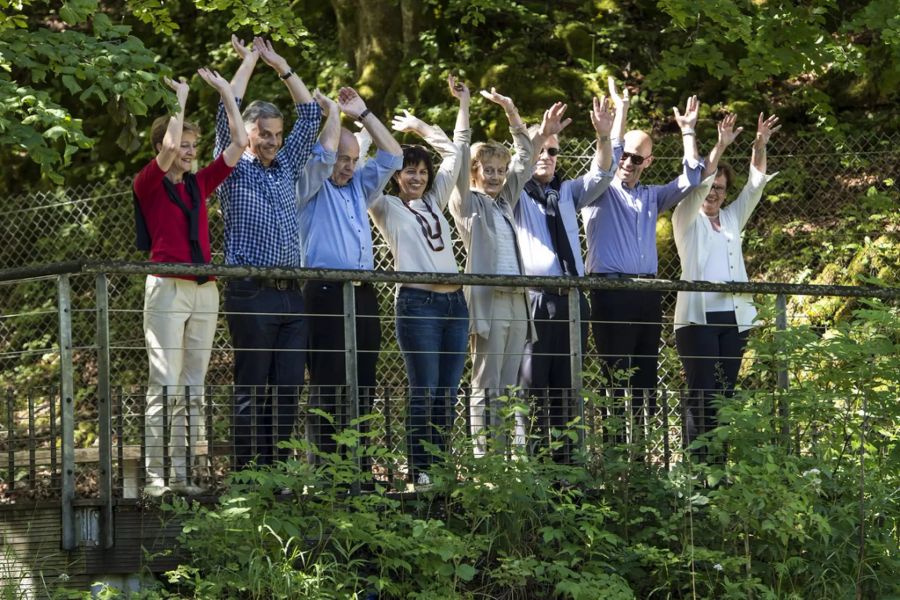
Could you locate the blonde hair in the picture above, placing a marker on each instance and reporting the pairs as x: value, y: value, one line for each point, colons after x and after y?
x: 158, y: 130
x: 483, y: 151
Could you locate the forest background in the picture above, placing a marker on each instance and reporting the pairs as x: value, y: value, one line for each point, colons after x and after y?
x: 80, y: 81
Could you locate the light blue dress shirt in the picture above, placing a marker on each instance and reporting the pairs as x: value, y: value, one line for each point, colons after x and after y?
x: 538, y: 255
x: 621, y: 224
x: 334, y: 224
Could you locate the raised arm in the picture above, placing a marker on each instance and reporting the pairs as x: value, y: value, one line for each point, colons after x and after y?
x: 602, y: 120
x: 686, y: 123
x: 245, y: 70
x: 512, y: 113
x: 354, y: 107
x: 239, y: 140
x: 434, y: 136
x: 551, y: 125
x: 727, y: 135
x: 764, y: 130
x: 171, y: 142
x: 299, y: 93
x: 330, y: 136
x: 621, y: 104
x: 460, y: 91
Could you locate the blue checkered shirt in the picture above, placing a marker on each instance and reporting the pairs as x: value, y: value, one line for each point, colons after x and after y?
x: 259, y: 203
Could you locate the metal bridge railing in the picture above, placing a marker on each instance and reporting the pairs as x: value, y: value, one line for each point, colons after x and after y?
x: 76, y: 430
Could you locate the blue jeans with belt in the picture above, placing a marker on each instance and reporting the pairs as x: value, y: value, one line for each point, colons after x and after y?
x: 268, y: 332
x: 432, y: 330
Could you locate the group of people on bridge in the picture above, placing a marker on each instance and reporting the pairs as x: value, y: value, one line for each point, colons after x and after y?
x: 306, y: 199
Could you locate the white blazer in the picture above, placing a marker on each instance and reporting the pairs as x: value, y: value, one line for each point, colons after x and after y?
x: 693, y: 234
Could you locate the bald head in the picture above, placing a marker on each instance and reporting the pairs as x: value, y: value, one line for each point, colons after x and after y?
x: 347, y: 157
x: 637, y: 154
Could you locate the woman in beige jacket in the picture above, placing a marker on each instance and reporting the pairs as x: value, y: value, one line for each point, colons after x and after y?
x: 482, y: 207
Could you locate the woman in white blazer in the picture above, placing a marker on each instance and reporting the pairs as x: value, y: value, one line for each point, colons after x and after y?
x: 711, y: 328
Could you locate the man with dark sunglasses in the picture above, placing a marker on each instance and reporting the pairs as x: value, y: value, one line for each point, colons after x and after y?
x: 621, y: 237
x: 333, y: 197
x: 547, y: 224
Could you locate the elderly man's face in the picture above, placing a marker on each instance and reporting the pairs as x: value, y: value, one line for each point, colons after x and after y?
x: 636, y: 156
x: 347, y: 157
x: 545, y: 167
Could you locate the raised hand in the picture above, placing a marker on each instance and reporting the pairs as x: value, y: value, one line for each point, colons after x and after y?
x: 601, y: 117
x: 241, y: 49
x: 765, y: 127
x: 408, y: 123
x: 497, y: 98
x: 180, y: 87
x: 458, y: 89
x: 351, y: 104
x: 269, y: 56
x: 329, y: 107
x: 727, y: 132
x: 691, y: 111
x: 216, y: 81
x: 620, y: 102
x: 553, y: 121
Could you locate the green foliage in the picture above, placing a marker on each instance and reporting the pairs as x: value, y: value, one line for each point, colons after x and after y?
x: 782, y: 518
x: 83, y: 60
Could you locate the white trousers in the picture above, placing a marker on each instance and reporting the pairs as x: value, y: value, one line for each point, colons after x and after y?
x: 179, y: 327
x: 495, y: 365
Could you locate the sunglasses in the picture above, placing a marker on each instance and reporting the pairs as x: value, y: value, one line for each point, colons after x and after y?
x: 551, y: 151
x: 636, y: 159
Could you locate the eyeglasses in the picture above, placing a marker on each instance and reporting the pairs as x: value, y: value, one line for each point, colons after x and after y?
x: 550, y: 151
x: 719, y: 189
x: 636, y: 159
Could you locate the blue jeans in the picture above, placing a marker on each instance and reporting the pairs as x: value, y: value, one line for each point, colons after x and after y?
x: 433, y: 331
x: 269, y: 342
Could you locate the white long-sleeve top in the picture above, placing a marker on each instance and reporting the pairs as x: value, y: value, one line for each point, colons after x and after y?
x: 693, y: 238
x: 400, y: 227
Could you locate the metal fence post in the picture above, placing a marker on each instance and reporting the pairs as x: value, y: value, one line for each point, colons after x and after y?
x: 576, y: 362
x: 350, y: 368
x: 67, y: 411
x: 105, y: 411
x: 782, y: 374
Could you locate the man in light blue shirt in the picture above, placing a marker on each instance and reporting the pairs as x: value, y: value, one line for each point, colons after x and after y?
x: 333, y: 198
x: 621, y: 236
x: 547, y: 224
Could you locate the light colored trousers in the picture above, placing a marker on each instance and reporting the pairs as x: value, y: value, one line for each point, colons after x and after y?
x: 495, y: 365
x: 179, y: 326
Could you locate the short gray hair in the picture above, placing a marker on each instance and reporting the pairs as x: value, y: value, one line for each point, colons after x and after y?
x: 260, y: 109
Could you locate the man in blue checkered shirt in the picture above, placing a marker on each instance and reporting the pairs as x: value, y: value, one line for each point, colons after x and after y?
x: 265, y: 316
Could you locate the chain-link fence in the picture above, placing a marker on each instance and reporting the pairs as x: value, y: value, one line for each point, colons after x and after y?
x: 819, y: 188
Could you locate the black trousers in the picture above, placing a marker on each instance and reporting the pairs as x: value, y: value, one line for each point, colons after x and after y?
x: 627, y: 325
x: 711, y: 355
x: 326, y: 358
x: 546, y: 371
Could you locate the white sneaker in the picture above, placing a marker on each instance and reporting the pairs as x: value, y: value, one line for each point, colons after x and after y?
x: 423, y: 479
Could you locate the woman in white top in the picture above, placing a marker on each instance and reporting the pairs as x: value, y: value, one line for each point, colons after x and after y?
x: 711, y: 328
x: 482, y: 206
x: 432, y: 319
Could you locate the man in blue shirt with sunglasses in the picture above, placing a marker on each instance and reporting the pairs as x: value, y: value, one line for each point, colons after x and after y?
x: 621, y: 237
x: 547, y: 223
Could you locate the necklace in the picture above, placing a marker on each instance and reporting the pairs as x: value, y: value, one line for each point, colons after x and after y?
x: 432, y: 238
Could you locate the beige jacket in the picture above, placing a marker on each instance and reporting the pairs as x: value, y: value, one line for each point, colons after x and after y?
x: 474, y: 216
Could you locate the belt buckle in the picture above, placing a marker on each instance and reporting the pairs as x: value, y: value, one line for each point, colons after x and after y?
x: 282, y: 284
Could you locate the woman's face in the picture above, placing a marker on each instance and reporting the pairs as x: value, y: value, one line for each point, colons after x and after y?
x: 412, y: 181
x: 490, y: 176
x: 716, y: 196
